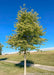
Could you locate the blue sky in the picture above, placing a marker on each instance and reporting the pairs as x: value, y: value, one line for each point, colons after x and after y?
x: 8, y: 14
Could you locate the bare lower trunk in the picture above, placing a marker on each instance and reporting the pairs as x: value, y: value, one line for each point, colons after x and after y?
x: 0, y: 52
x: 24, y: 64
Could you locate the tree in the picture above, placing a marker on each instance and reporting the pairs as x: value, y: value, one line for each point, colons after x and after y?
x: 27, y: 33
x: 1, y: 48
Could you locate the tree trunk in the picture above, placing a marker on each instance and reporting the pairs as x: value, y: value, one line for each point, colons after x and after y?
x: 24, y: 63
x: 0, y: 52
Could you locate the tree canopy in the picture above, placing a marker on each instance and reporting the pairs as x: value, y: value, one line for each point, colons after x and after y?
x: 1, y: 48
x: 28, y: 31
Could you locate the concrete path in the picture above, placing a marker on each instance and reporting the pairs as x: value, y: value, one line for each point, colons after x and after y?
x: 14, y: 62
x: 44, y: 67
x: 38, y: 73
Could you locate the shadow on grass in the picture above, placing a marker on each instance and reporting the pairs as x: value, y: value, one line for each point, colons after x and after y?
x: 21, y: 64
x: 2, y: 59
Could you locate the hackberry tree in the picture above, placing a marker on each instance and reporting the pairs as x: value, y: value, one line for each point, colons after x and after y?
x: 28, y: 33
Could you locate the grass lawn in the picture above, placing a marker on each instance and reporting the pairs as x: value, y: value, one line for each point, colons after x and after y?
x: 44, y: 58
x: 12, y: 69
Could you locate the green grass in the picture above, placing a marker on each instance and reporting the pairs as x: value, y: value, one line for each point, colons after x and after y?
x: 44, y: 58
x: 50, y: 51
x: 11, y: 69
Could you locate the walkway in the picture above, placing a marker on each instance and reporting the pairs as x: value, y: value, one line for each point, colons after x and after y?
x: 44, y: 67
